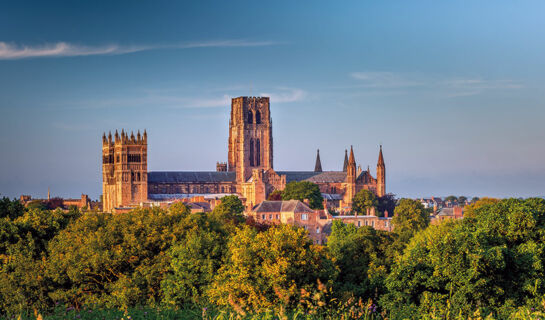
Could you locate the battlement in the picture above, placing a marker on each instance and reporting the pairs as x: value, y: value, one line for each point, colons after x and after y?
x: 221, y: 166
x: 124, y: 138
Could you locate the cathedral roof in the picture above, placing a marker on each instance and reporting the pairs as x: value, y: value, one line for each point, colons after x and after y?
x: 316, y: 177
x: 190, y: 176
x: 283, y: 206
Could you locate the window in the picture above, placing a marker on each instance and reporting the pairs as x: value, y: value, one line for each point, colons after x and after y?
x: 263, y: 217
x: 304, y: 216
x: 258, y: 152
x: 277, y: 216
x: 257, y: 117
x: 373, y: 224
x: 386, y: 224
x: 250, y: 116
x: 365, y: 222
x: 270, y: 216
x: 252, y: 152
x: 359, y: 223
x: 317, y: 229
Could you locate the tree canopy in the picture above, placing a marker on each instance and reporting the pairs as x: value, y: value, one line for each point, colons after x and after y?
x: 363, y: 201
x: 301, y: 190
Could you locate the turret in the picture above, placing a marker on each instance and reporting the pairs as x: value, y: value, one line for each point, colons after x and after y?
x: 318, y: 165
x: 381, y: 175
x: 345, y: 165
x: 351, y: 168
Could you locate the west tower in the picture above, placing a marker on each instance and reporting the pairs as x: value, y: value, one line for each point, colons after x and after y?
x: 250, y: 136
x: 124, y: 170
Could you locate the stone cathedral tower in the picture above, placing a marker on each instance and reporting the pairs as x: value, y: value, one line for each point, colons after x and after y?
x: 250, y: 136
x: 124, y: 170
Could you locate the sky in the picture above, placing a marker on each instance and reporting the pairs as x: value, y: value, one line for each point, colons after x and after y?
x: 453, y: 90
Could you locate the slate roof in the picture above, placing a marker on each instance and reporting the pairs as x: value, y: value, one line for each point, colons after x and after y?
x: 316, y: 177
x: 282, y: 206
x: 190, y: 176
x: 173, y: 196
x: 332, y: 196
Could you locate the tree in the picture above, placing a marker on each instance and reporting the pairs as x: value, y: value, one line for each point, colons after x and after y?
x: 386, y: 203
x: 410, y: 216
x: 461, y: 200
x: 363, y: 201
x: 270, y: 269
x: 491, y: 262
x: 194, y: 261
x: 230, y: 210
x: 11, y: 208
x: 276, y: 195
x: 114, y: 260
x: 304, y: 190
x: 451, y: 198
x: 363, y: 257
x: 470, y: 210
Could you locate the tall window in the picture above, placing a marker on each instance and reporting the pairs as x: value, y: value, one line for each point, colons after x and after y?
x: 258, y: 151
x: 250, y: 116
x: 252, y: 152
x: 257, y: 117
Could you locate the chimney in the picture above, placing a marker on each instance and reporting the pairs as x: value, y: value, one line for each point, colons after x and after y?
x: 307, y: 202
x: 385, y: 213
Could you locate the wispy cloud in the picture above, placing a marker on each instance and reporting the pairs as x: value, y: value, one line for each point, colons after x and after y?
x: 177, y: 99
x: 9, y: 51
x: 385, y: 80
x: 286, y: 95
x: 451, y: 87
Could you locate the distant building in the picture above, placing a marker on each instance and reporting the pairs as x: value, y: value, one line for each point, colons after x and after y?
x: 248, y: 171
x: 84, y: 202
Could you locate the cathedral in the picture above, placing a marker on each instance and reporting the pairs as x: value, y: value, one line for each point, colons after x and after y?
x: 248, y: 172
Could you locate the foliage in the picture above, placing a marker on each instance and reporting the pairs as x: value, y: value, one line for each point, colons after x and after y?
x: 363, y: 258
x: 410, y: 216
x: 363, y: 201
x: 10, y: 209
x: 230, y: 210
x: 276, y: 195
x: 386, y: 203
x: 194, y: 261
x: 113, y: 260
x: 470, y: 210
x: 301, y: 190
x: 492, y: 262
x: 269, y: 270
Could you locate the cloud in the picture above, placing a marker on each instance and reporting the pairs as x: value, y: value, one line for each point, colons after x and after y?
x: 286, y: 95
x: 63, y: 49
x: 454, y: 87
x: 385, y: 80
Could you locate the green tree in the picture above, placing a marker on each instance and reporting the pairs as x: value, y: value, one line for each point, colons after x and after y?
x: 304, y: 190
x: 270, y: 269
x: 388, y: 203
x: 410, y: 216
x: 230, y: 211
x: 492, y: 261
x: 461, y: 200
x: 114, y: 260
x: 363, y: 201
x: 194, y: 261
x: 11, y: 208
x: 363, y: 257
x: 451, y: 198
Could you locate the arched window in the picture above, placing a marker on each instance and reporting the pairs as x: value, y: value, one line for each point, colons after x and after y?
x: 258, y: 153
x: 257, y: 117
x: 251, y: 152
x: 250, y: 116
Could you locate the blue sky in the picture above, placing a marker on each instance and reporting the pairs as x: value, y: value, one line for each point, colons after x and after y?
x: 453, y: 90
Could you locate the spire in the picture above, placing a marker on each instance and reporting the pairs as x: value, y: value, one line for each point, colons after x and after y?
x: 345, y: 165
x: 352, y: 160
x: 380, y: 158
x: 318, y: 166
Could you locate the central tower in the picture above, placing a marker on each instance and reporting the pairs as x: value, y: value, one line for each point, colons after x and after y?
x: 250, y: 136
